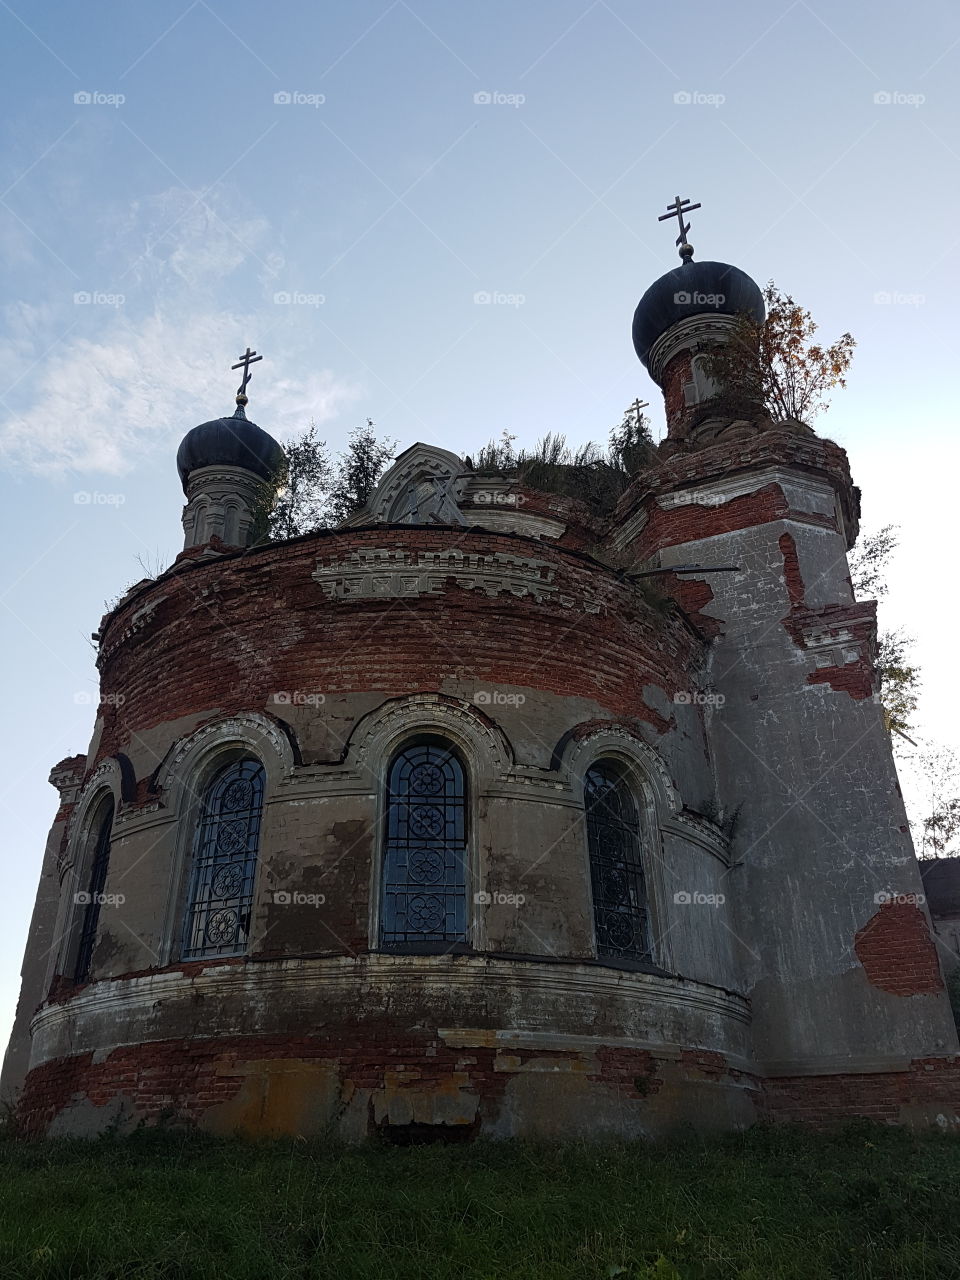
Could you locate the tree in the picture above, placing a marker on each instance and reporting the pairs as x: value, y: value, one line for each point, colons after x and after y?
x: 868, y: 562
x: 359, y: 468
x: 899, y: 678
x: 899, y: 681
x: 775, y: 365
x: 631, y: 444
x: 311, y: 494
x: 301, y: 497
x: 938, y: 832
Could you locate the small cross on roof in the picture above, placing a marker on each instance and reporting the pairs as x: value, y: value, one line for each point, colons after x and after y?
x: 678, y: 210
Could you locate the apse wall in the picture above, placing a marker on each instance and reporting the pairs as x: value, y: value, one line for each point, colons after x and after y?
x: 320, y: 660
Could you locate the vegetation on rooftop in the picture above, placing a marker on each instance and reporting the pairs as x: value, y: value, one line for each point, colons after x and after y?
x: 588, y: 474
x: 775, y: 365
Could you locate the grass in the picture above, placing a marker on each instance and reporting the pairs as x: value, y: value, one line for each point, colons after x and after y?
x: 766, y: 1205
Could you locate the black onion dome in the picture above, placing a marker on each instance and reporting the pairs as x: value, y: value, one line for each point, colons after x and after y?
x: 693, y: 288
x: 229, y: 442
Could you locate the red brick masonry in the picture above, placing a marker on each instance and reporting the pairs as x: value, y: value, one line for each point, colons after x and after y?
x: 897, y: 951
x: 180, y: 1080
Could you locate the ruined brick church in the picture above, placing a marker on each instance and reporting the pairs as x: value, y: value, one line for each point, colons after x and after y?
x: 484, y: 814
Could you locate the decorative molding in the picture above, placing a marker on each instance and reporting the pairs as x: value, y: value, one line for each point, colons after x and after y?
x: 513, y: 520
x: 723, y: 489
x: 68, y: 780
x: 138, y: 621
x: 380, y: 573
x: 613, y: 740
x: 249, y: 729
x: 692, y: 334
x: 838, y: 640
x: 377, y: 735
x: 106, y: 777
x: 424, y: 486
x: 699, y: 831
x: 130, y: 1005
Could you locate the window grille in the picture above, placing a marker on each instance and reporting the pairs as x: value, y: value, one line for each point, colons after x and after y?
x: 224, y: 863
x: 620, y: 908
x: 92, y: 900
x: 424, y: 900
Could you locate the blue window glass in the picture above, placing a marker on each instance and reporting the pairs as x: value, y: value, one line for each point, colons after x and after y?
x: 92, y: 899
x: 424, y: 900
x: 620, y: 909
x: 224, y: 865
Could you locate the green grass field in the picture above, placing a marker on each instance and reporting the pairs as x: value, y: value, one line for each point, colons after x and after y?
x: 766, y: 1205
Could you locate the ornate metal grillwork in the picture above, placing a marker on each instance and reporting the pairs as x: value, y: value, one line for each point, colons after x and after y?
x: 616, y: 869
x: 91, y: 910
x: 424, y: 867
x: 225, y: 863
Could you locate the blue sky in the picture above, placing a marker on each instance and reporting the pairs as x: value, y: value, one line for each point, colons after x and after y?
x: 161, y: 208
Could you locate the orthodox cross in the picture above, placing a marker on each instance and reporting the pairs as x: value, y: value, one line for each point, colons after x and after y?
x: 637, y: 409
x: 678, y: 210
x: 246, y: 360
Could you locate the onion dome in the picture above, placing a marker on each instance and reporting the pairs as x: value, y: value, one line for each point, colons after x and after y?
x: 693, y: 288
x: 229, y: 442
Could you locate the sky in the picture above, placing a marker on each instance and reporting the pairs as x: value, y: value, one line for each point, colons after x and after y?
x: 440, y: 217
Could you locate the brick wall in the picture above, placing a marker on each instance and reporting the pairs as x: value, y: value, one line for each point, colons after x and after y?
x: 180, y: 1080
x: 228, y: 634
x: 930, y: 1086
x: 897, y: 952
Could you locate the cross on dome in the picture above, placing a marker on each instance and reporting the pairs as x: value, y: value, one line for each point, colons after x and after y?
x: 678, y: 210
x: 246, y: 360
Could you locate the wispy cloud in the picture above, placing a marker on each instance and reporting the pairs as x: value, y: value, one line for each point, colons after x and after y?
x: 179, y: 239
x: 104, y: 405
x: 99, y: 384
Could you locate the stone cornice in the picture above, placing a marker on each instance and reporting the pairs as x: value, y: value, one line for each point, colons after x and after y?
x: 130, y: 1002
x: 384, y: 573
x: 704, y: 329
x: 775, y: 448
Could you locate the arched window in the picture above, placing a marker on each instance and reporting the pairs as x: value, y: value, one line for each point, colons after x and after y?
x: 701, y: 386
x: 424, y: 898
x: 91, y: 899
x: 224, y: 863
x: 616, y: 870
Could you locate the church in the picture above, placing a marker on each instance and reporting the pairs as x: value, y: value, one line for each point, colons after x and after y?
x: 482, y: 815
